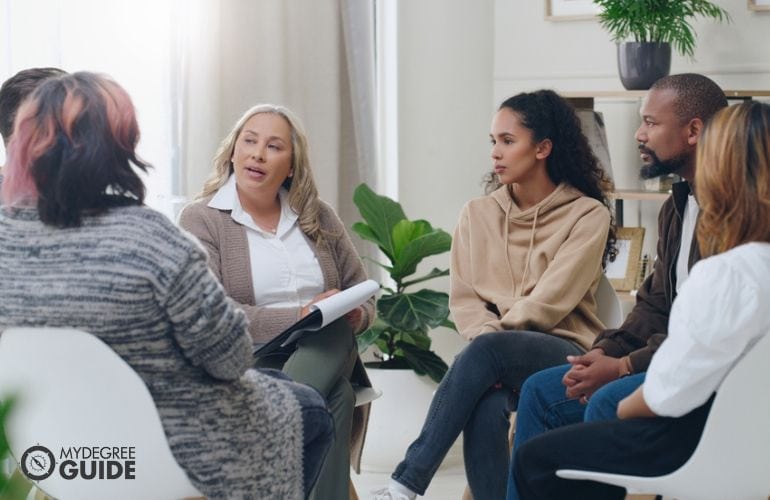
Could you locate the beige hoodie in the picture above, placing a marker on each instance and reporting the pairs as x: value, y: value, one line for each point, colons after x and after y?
x: 534, y: 269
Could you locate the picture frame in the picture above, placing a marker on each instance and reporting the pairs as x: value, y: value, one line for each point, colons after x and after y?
x: 571, y: 10
x: 622, y: 272
x: 759, y: 4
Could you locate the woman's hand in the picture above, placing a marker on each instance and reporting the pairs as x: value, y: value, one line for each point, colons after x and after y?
x: 355, y: 319
x: 306, y: 308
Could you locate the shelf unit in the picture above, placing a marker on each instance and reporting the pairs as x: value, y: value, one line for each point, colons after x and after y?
x: 635, y: 195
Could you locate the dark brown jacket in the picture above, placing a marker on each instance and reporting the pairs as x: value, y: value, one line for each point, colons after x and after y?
x: 646, y: 326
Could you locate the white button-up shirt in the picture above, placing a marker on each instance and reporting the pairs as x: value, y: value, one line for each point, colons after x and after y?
x: 284, y: 268
x: 718, y: 316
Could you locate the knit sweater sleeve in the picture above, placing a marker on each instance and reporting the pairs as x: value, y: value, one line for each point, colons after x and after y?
x: 209, y: 328
x: 565, y: 282
x: 469, y: 311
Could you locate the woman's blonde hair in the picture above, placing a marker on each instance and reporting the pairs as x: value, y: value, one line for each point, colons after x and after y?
x: 732, y: 178
x: 303, y: 194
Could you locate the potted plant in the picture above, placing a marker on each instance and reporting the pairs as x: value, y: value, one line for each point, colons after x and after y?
x: 407, y: 371
x: 404, y: 318
x: 654, y: 26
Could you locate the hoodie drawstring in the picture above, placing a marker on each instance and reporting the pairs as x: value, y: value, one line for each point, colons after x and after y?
x: 507, y: 254
x: 529, y: 251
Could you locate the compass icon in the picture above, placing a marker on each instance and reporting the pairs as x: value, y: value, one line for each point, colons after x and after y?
x: 37, y: 463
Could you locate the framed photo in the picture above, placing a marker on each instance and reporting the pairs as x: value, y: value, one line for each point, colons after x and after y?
x: 623, y: 271
x: 759, y: 4
x: 571, y: 10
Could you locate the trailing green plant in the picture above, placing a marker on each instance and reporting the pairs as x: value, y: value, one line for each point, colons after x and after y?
x: 404, y: 318
x: 15, y: 487
x: 657, y: 20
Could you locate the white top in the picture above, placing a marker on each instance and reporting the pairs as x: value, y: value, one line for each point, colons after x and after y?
x: 691, y: 210
x: 719, y: 315
x: 284, y: 269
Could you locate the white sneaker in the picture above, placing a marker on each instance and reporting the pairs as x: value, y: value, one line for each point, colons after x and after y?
x: 394, y: 491
x: 387, y: 494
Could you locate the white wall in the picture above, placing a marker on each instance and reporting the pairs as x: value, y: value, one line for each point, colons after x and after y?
x: 445, y: 106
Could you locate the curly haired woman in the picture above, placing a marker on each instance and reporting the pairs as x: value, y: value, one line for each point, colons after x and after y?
x: 526, y: 263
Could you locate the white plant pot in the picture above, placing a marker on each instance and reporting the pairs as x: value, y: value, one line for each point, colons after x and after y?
x: 397, y: 417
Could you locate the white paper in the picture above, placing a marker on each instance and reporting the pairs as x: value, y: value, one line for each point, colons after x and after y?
x: 345, y: 301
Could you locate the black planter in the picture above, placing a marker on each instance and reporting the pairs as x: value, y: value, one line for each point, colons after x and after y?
x: 640, y: 64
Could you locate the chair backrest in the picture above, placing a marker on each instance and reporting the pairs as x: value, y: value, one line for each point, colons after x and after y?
x: 732, y: 456
x: 732, y: 459
x: 608, y: 307
x: 74, y: 393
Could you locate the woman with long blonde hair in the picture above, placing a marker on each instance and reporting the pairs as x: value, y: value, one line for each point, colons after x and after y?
x: 718, y: 316
x: 277, y: 249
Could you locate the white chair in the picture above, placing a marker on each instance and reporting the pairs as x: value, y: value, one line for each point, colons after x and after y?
x: 732, y: 459
x: 74, y: 391
x: 365, y: 394
x: 608, y: 307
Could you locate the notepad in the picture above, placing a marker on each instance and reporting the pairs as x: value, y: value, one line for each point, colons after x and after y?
x: 322, y: 313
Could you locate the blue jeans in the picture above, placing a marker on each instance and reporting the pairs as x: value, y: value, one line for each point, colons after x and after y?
x: 317, y: 428
x: 476, y: 398
x: 543, y: 406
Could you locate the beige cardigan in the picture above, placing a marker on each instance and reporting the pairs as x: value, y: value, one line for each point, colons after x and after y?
x: 227, y: 245
x: 534, y: 269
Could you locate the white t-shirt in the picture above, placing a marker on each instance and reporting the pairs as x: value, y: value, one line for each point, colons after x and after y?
x: 690, y: 218
x: 718, y: 316
x: 284, y: 269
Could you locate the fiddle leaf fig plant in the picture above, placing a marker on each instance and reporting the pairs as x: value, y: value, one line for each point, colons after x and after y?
x: 404, y: 318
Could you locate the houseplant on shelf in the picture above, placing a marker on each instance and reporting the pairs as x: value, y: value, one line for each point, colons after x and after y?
x: 404, y: 318
x: 654, y: 26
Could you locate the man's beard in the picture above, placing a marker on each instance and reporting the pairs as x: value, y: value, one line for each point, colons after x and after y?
x: 658, y: 167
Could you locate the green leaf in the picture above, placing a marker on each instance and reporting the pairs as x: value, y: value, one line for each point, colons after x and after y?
x: 378, y: 330
x: 433, y: 243
x: 424, y: 362
x: 365, y: 232
x: 434, y: 273
x: 381, y: 214
x: 419, y: 339
x: 406, y: 231
x: 414, y: 311
x: 449, y: 324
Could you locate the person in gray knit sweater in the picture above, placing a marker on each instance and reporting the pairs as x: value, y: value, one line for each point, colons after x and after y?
x: 78, y: 249
x: 277, y: 248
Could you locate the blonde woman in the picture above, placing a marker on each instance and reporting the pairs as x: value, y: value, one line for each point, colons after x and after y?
x: 277, y: 248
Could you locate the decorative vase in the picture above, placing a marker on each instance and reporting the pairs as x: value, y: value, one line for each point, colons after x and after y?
x: 640, y: 64
x: 397, y: 417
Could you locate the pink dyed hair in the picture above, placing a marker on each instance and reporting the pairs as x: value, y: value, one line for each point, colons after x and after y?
x: 75, y: 109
